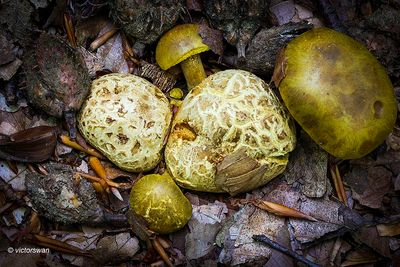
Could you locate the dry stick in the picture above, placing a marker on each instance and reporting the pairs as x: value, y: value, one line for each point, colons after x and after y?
x: 264, y: 239
x: 58, y: 245
x: 69, y: 28
x: 102, y: 39
x: 159, y: 248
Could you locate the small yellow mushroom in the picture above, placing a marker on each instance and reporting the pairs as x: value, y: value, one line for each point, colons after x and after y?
x: 183, y: 44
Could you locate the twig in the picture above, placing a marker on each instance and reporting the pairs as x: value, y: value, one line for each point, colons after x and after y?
x: 68, y: 142
x: 160, y: 250
x: 264, y: 239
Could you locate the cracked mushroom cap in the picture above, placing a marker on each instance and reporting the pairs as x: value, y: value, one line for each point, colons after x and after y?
x: 127, y: 119
x: 231, y: 134
x: 178, y: 44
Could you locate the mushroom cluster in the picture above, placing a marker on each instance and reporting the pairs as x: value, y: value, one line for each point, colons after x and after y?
x: 231, y: 134
x: 126, y: 118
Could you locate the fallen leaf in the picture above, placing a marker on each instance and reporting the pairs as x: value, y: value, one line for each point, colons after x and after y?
x: 17, y: 181
x: 359, y: 256
x: 236, y: 236
x: 282, y: 12
x: 308, y: 167
x: 116, y: 248
x: 274, y: 208
x: 7, y: 71
x: 212, y: 37
x: 204, y: 225
x: 369, y: 184
x: 370, y: 237
x: 31, y: 145
x: 388, y: 229
x: 324, y: 210
x: 111, y: 53
x: 6, y: 50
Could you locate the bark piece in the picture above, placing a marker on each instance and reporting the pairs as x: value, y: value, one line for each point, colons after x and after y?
x: 156, y: 75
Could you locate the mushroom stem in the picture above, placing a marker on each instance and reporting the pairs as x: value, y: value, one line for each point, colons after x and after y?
x: 193, y: 70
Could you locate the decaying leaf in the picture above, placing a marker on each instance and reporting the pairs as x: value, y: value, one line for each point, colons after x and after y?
x: 111, y: 54
x: 116, y: 248
x: 360, y: 256
x: 369, y: 184
x: 16, y: 181
x: 324, y: 210
x: 274, y: 208
x: 308, y: 167
x: 31, y: 145
x: 204, y: 225
x: 388, y: 229
x: 237, y: 171
x: 239, y: 248
x: 370, y: 237
x: 212, y: 37
x: 17, y: 16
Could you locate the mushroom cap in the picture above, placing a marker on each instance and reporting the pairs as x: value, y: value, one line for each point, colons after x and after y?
x: 337, y: 91
x: 230, y: 111
x: 160, y: 202
x: 126, y: 118
x: 178, y: 44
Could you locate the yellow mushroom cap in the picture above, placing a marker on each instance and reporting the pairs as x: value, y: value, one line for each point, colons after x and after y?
x: 178, y: 44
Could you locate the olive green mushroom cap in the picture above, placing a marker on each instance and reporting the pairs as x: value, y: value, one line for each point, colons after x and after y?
x: 160, y: 202
x: 178, y: 44
x: 337, y: 91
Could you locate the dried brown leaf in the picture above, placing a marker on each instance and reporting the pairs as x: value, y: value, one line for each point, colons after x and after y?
x: 212, y: 37
x: 369, y: 184
x: 238, y: 172
x: 388, y: 229
x: 36, y: 144
x: 360, y: 256
x: 275, y: 208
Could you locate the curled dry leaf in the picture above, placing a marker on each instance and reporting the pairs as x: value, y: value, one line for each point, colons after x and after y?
x: 36, y: 144
x: 388, y: 229
x: 237, y: 171
x: 274, y: 208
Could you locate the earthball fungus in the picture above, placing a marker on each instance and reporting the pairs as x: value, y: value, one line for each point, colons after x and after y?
x: 337, y: 91
x: 231, y: 134
x: 183, y: 44
x: 160, y: 202
x: 57, y: 78
x: 126, y: 118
